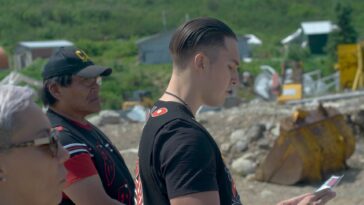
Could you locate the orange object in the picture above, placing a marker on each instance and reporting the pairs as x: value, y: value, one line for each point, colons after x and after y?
x: 291, y: 91
x: 4, y: 63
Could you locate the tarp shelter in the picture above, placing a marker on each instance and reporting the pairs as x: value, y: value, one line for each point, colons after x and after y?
x: 314, y: 34
x: 253, y: 39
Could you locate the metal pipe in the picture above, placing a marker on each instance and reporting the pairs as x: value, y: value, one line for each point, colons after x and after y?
x: 328, y: 97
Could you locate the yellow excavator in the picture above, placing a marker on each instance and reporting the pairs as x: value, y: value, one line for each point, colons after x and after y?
x: 311, y: 145
x: 350, y: 65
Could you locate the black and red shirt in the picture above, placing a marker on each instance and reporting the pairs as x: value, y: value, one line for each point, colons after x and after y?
x: 92, y: 153
x: 177, y: 156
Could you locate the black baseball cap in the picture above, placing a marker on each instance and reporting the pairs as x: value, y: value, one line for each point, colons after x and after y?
x: 72, y: 61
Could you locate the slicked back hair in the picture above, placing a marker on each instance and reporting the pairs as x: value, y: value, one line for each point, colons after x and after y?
x: 196, y: 35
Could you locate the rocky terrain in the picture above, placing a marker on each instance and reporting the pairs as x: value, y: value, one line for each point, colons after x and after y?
x: 245, y: 135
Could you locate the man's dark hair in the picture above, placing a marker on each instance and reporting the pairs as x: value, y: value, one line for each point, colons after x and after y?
x: 47, y: 97
x: 196, y: 34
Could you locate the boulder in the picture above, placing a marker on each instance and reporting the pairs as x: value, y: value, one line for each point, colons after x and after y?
x: 243, y: 166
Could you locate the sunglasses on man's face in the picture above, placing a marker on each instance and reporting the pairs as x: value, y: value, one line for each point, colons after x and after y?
x: 51, y: 141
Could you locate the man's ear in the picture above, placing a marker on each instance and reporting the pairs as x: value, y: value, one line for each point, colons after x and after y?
x: 55, y: 90
x: 200, y: 60
x: 2, y: 174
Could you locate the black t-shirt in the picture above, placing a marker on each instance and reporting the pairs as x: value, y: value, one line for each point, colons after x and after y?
x: 91, y: 152
x: 177, y: 157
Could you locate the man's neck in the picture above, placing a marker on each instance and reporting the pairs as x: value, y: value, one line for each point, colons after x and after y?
x: 181, y: 86
x: 80, y: 118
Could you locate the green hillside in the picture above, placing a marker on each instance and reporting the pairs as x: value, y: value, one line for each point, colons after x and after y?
x: 113, y: 19
x: 108, y: 29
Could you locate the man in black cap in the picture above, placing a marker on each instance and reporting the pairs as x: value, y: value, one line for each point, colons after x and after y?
x: 97, y: 173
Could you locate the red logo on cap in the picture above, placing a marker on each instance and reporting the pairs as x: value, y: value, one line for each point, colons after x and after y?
x: 159, y: 112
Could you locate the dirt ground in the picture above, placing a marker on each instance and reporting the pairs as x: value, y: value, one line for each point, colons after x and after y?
x: 349, y: 192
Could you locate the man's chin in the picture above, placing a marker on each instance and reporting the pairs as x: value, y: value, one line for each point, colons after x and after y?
x: 93, y: 110
x: 216, y: 104
x: 96, y: 106
x: 96, y: 110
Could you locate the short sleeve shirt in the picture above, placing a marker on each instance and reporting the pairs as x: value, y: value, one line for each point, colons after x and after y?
x: 177, y: 157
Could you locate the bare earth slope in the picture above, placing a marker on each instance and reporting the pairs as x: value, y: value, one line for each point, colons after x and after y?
x: 222, y: 124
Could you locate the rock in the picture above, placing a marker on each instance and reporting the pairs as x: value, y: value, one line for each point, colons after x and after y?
x: 264, y: 144
x: 207, y: 110
x: 275, y: 131
x: 225, y: 147
x: 232, y: 102
x: 105, y: 117
x: 358, y: 118
x: 266, y: 193
x: 250, y: 177
x: 255, y: 132
x: 109, y: 117
x: 249, y: 156
x: 260, y: 155
x: 95, y: 120
x: 269, y: 125
x: 233, y: 111
x: 241, y: 145
x: 255, y: 101
x: 232, y: 118
x: 243, y: 166
x: 203, y: 121
x: 237, y: 135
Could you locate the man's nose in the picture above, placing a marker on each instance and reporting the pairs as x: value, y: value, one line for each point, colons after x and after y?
x: 235, y: 78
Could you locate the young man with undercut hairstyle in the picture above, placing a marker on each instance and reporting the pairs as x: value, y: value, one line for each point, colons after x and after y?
x: 179, y: 161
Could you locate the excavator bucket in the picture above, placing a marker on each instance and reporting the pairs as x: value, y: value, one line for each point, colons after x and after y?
x: 311, y: 144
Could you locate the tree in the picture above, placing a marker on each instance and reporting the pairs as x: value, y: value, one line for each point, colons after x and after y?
x: 346, y: 33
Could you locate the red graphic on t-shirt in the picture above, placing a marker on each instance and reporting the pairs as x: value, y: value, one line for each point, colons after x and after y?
x: 109, y: 166
x: 124, y: 194
x: 159, y: 112
x: 235, y: 195
x: 233, y: 188
x: 138, y: 186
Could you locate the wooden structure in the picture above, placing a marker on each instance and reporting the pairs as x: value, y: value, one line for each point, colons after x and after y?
x: 27, y: 51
